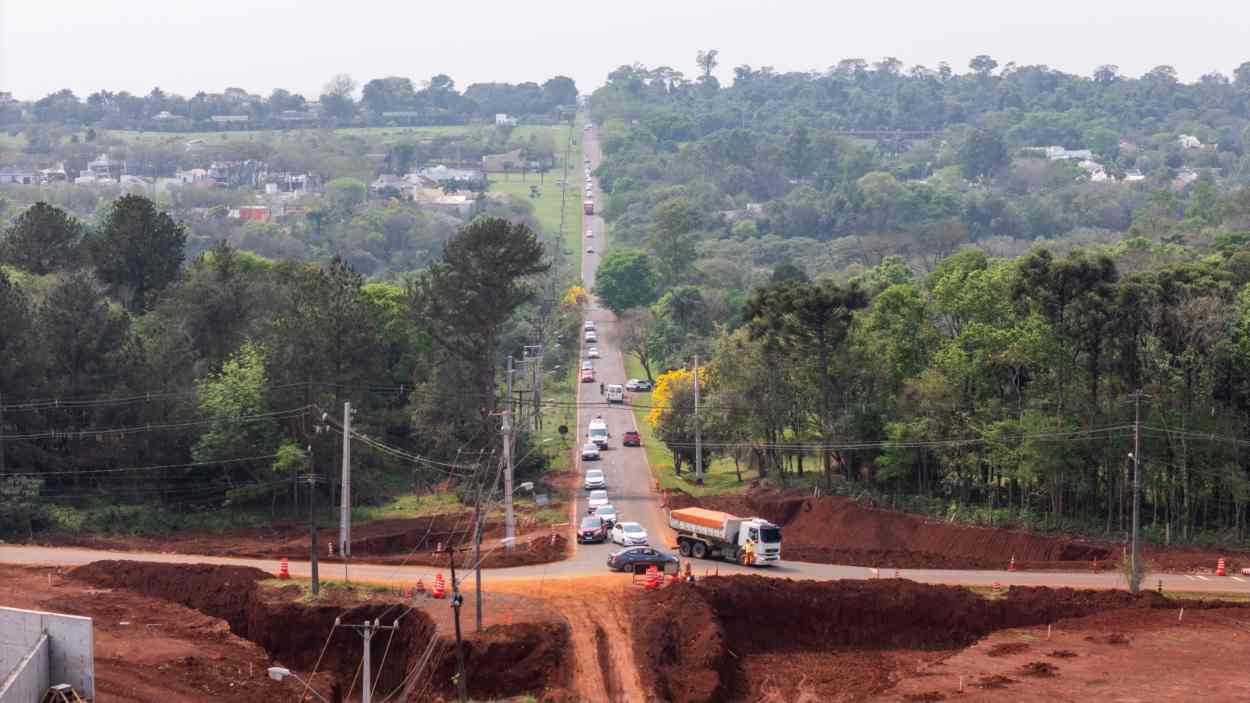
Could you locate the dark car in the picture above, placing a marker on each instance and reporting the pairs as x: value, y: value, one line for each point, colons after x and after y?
x: 593, y: 529
x: 639, y: 558
x: 632, y: 439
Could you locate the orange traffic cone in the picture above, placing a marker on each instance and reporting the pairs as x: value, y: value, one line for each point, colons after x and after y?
x: 439, y: 589
x: 654, y: 579
x: 1012, y: 565
x: 997, y: 587
x: 284, y: 571
x: 1219, y: 567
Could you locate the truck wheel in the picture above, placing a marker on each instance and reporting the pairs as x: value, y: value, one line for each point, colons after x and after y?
x: 733, y: 555
x: 699, y: 550
x: 683, y: 548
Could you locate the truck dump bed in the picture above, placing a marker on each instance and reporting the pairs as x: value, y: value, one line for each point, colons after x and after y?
x: 709, y: 523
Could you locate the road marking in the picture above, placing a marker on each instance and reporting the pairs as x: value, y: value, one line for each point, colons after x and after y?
x: 1204, y: 578
x: 1238, y: 578
x: 1191, y: 578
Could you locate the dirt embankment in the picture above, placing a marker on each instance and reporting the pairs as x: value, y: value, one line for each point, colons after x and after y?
x: 390, y: 541
x: 512, y: 659
x: 835, y: 530
x: 702, y: 641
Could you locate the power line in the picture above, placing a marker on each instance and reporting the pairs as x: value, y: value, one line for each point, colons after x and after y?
x: 158, y: 467
x: 99, y: 432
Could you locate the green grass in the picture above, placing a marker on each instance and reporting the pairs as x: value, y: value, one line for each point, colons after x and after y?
x: 328, y: 587
x: 409, y: 505
x: 547, y: 205
x: 720, y: 477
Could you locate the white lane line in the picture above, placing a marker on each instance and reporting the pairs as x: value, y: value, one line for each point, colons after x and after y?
x: 1204, y: 578
x: 1191, y: 578
x: 1238, y: 578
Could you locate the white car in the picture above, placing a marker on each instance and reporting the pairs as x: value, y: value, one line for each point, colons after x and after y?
x: 592, y: 353
x: 588, y: 365
x: 590, y: 451
x: 637, y: 384
x: 607, y: 513
x: 597, y: 498
x: 594, y: 479
x: 590, y: 234
x: 629, y: 534
x: 591, y: 337
x: 589, y: 325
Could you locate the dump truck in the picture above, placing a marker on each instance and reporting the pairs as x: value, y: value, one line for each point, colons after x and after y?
x: 704, y: 534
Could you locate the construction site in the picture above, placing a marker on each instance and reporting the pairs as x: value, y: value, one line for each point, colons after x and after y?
x: 198, y: 631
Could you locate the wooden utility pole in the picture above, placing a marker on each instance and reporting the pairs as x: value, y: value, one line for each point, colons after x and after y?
x: 456, y: 601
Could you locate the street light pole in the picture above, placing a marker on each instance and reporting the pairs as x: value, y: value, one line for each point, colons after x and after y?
x: 509, y: 516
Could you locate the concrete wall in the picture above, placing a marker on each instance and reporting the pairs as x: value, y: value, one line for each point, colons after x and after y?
x: 70, y: 648
x: 29, y: 680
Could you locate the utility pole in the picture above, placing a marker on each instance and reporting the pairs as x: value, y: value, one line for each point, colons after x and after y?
x: 367, y: 631
x: 345, y: 492
x: 312, y: 518
x: 456, y: 601
x: 2, y: 469
x: 1135, y: 556
x: 698, y: 436
x: 508, y: 516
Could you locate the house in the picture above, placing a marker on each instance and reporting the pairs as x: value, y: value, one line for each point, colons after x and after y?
x: 19, y: 176
x: 502, y: 120
x: 458, y: 204
x: 251, y: 213
x: 191, y: 176
x: 229, y: 119
x: 499, y: 163
x: 440, y: 173
x: 388, y: 184
x: 1133, y: 176
x: 102, y: 170
x: 55, y: 174
x: 1189, y: 141
x: 296, y: 116
x: 1184, y: 177
x: 165, y: 115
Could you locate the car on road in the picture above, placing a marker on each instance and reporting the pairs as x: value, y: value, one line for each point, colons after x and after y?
x: 615, y: 393
x: 629, y: 534
x: 592, y: 353
x: 589, y: 325
x: 591, y: 337
x: 594, y: 479
x: 637, y: 384
x: 588, y: 365
x: 631, y: 439
x: 597, y: 498
x: 590, y: 451
x: 590, y: 250
x: 639, y: 558
x: 590, y: 233
x: 608, y: 513
x: 588, y: 376
x: 592, y: 529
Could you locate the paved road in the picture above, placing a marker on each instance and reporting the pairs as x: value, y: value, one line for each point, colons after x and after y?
x: 628, y: 476
x: 630, y: 488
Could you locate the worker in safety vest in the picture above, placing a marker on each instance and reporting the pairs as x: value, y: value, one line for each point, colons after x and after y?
x: 689, y: 574
x: 748, y: 553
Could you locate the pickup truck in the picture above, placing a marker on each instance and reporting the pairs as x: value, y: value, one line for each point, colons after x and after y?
x: 705, y: 533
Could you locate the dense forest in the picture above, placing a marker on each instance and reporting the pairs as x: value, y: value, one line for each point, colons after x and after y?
x: 944, y: 289
x: 140, y: 389
x: 388, y: 100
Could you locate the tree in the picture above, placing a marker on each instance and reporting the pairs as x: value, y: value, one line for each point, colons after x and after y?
x: 82, y: 336
x: 983, y: 155
x: 139, y: 249
x: 463, y: 300
x: 671, y: 239
x: 42, y: 239
x: 1106, y: 74
x: 401, y: 157
x: 17, y: 342
x: 707, y: 62
x: 982, y: 65
x: 626, y: 279
x: 1241, y: 76
x: 798, y: 146
x: 638, y: 338
x: 336, y: 97
x: 240, y: 390
x: 344, y: 194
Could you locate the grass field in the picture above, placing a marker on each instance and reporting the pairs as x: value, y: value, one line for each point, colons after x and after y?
x: 720, y: 477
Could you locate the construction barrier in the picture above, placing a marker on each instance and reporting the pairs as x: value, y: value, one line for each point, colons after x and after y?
x: 1245, y: 572
x: 1012, y: 565
x: 1219, y: 567
x: 654, y: 579
x: 440, y: 589
x: 997, y: 587
x: 284, y: 571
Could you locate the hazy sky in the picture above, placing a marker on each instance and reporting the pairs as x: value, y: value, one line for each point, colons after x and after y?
x: 185, y: 46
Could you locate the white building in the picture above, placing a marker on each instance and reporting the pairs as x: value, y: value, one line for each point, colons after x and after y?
x: 502, y: 120
x: 1189, y: 141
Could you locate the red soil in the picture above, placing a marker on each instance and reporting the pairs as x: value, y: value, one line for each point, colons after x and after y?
x: 835, y: 530
x: 703, y: 641
x: 390, y: 541
x: 516, y: 658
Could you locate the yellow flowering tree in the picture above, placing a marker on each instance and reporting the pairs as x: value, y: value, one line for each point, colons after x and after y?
x: 575, y: 297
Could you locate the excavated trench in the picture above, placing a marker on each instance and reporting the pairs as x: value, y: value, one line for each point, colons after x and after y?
x: 696, y: 641
x: 420, y: 664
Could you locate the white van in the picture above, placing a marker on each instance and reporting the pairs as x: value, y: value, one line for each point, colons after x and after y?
x: 598, y: 432
x: 615, y: 393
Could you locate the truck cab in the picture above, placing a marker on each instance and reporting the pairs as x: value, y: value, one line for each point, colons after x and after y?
x: 767, y: 538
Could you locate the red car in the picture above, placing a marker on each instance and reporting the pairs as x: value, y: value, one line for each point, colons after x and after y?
x: 588, y: 376
x: 632, y: 439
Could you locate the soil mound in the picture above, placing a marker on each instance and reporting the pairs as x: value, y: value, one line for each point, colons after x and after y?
x: 692, y: 638
x: 505, y: 659
x: 832, y: 529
